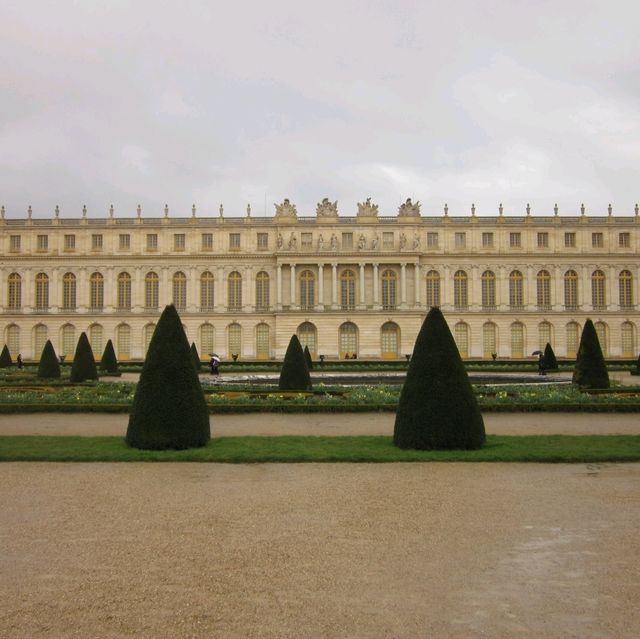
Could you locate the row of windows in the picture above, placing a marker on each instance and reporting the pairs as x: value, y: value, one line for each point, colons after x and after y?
x: 307, y: 241
x: 307, y: 290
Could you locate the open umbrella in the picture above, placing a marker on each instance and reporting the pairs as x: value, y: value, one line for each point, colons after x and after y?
x: 215, y: 357
x: 537, y: 353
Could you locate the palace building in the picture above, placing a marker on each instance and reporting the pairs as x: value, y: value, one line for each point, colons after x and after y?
x: 358, y: 285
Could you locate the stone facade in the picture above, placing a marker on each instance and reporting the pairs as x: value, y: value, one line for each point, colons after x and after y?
x: 347, y: 285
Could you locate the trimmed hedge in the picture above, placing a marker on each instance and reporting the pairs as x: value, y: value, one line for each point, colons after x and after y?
x: 49, y: 366
x: 195, y: 356
x: 5, y: 357
x: 550, y: 361
x: 84, y: 363
x: 307, y: 357
x: 109, y: 361
x: 295, y: 373
x: 590, y: 370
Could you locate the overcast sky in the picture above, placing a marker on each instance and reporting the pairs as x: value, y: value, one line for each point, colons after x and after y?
x: 204, y: 102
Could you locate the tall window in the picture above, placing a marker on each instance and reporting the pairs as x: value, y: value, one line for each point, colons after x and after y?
x: 124, y: 291
x: 262, y: 241
x: 307, y: 290
x: 180, y: 290
x: 461, y: 336
x: 307, y: 335
x: 14, y: 243
x: 515, y: 240
x: 389, y: 279
x: 460, y: 291
x: 147, y: 334
x: 543, y: 290
x: 601, y: 331
x: 544, y: 335
x: 206, y: 291
x: 571, y: 290
x: 347, y: 240
x: 460, y: 240
x: 489, y: 341
x: 179, y: 241
x: 433, y: 289
x: 69, y: 291
x: 69, y: 242
x: 14, y: 290
x: 625, y: 286
x: 432, y: 240
x: 624, y: 240
x: 570, y: 240
x: 96, y: 291
x: 488, y: 290
x: 390, y: 338
x: 234, y: 241
x: 42, y: 242
x: 234, y: 334
x: 95, y: 336
x: 124, y: 241
x: 42, y: 292
x: 207, y: 241
x: 487, y: 239
x: 598, y: 290
x: 543, y: 240
x: 40, y: 334
x: 573, y: 331
x: 627, y: 338
x: 151, y: 291
x: 348, y: 339
x: 262, y: 291
x: 263, y: 342
x: 123, y: 341
x: 515, y: 290
x: 13, y: 340
x: 517, y: 340
x: 68, y: 340
x: 387, y: 239
x: 347, y: 290
x: 96, y: 242
x: 234, y: 292
x: 597, y: 240
x: 152, y: 241
x: 207, y: 334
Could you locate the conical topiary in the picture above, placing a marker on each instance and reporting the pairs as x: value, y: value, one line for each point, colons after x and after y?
x: 84, y: 363
x: 437, y: 408
x: 590, y: 370
x: 550, y: 361
x: 5, y: 357
x: 109, y: 361
x: 295, y: 373
x: 169, y: 409
x: 195, y: 356
x: 49, y: 366
x: 307, y: 357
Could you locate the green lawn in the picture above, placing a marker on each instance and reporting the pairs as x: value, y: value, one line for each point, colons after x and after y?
x: 539, y: 448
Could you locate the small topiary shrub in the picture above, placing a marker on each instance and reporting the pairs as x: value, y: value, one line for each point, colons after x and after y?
x: 109, y: 362
x: 5, y: 358
x: 550, y: 361
x: 84, y: 363
x: 295, y: 373
x: 169, y: 408
x: 590, y: 370
x: 195, y: 356
x: 307, y: 357
x: 49, y: 366
x: 437, y: 409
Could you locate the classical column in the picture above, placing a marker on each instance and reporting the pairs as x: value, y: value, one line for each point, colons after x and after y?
x: 279, y: 287
x: 247, y: 289
x: 612, y: 290
x: 528, y: 292
x: 475, y: 296
x: 403, y: 285
x: 361, y: 284
x: 417, y: 283
x: 292, y: 292
x: 165, y: 295
x: 503, y: 288
x: 81, y: 290
x: 557, y: 299
x: 55, y: 290
x: 446, y: 300
x: 376, y: 284
x: 137, y: 295
x: 585, y: 295
x: 110, y: 292
x: 334, y: 285
x: 192, y: 286
x: 219, y: 291
x: 320, y: 305
x: 3, y: 288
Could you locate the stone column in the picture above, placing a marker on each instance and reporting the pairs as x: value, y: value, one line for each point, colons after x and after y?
x: 334, y: 286
x: 417, y: 283
x: 474, y: 294
x: 219, y: 300
x: 503, y: 288
x: 4, y: 288
x: 584, y: 295
x: 320, y: 305
x: 446, y: 298
x: 192, y: 298
x: 403, y: 285
x: 165, y: 293
x: 557, y: 294
x: 247, y: 290
x: 279, y: 287
x: 292, y: 273
x: 612, y: 290
x: 528, y: 293
x: 137, y: 295
x: 81, y: 291
x: 110, y: 292
x: 362, y: 299
x: 376, y: 290
x: 55, y: 289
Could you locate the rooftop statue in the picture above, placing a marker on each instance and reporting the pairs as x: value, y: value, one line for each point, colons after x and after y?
x: 409, y: 209
x: 326, y: 208
x: 367, y: 209
x: 286, y: 209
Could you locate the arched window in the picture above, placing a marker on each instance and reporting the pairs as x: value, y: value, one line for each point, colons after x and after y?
x: 206, y: 292
x: 123, y: 341
x: 598, y: 290
x: 307, y: 290
x: 489, y: 339
x: 347, y: 290
x: 263, y: 341
x: 461, y: 336
x: 543, y: 290
x: 69, y: 341
x: 69, y: 292
x: 488, y: 291
x: 571, y: 290
x: 14, y: 299
x: 262, y: 291
x: 348, y: 339
x: 124, y: 291
x: 151, y: 291
x: 96, y: 291
x: 573, y: 335
x: 40, y: 336
x: 516, y: 298
x: 307, y: 335
x: 433, y: 289
x: 13, y: 340
x: 625, y: 286
x: 180, y: 290
x: 234, y: 334
x: 603, y: 335
x: 95, y: 336
x: 234, y: 292
x: 207, y: 341
x: 544, y: 335
x: 460, y: 291
x: 42, y: 292
x: 390, y: 338
x: 517, y: 340
x: 147, y: 334
x: 389, y: 279
x: 627, y: 337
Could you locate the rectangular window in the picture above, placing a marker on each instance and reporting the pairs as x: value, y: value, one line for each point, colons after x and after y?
x: 460, y: 240
x: 543, y: 240
x: 263, y: 241
x: 234, y: 241
x: 597, y: 240
x: 624, y: 240
x: 96, y: 242
x: 179, y: 241
x: 306, y: 240
x: 42, y: 242
x: 387, y: 240
x: 69, y: 242
x: 152, y: 241
x: 347, y: 240
x: 432, y: 240
x: 515, y: 240
x: 570, y: 240
x: 124, y: 241
x: 487, y: 240
x: 14, y: 243
x: 207, y: 241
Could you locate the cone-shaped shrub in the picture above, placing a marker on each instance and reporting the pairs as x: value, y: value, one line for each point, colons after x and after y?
x: 169, y: 409
x: 5, y: 357
x: 550, y: 361
x: 49, y: 365
x: 84, y: 363
x: 295, y: 373
x: 109, y: 361
x: 437, y: 408
x: 307, y: 357
x: 590, y: 370
x: 195, y: 356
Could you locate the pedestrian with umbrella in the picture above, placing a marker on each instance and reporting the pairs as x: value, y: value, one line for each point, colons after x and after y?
x: 214, y: 364
x: 541, y: 362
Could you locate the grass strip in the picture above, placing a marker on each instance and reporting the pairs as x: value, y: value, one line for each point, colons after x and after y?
x: 292, y: 449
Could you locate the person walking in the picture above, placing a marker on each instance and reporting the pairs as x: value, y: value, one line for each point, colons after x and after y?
x: 19, y: 361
